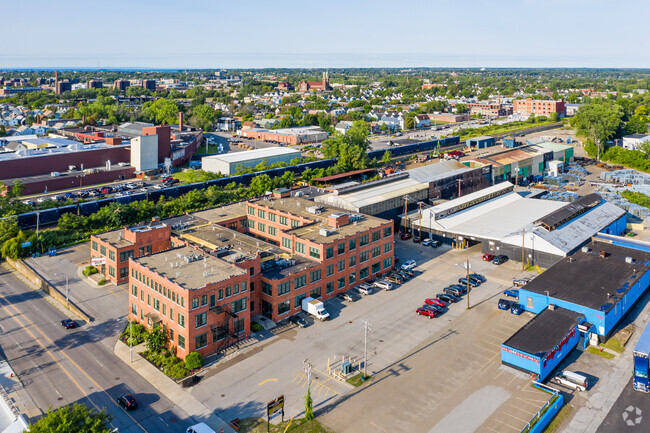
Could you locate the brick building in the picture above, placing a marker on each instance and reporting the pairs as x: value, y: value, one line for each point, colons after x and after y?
x: 318, y: 86
x: 149, y: 84
x: 290, y: 136
x: 121, y: 85
x: 538, y: 107
x: 489, y: 109
x: 117, y: 246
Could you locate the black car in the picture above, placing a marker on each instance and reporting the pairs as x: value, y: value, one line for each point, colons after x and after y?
x: 448, y: 298
x: 452, y: 291
x: 438, y: 308
x: 68, y: 323
x: 472, y: 282
x: 499, y: 260
x: 478, y: 277
x: 462, y: 288
x: 127, y: 401
x: 298, y: 321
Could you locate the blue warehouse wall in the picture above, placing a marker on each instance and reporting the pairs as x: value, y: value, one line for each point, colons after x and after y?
x: 548, y: 365
x: 628, y: 301
x: 519, y: 359
x: 617, y: 227
x: 540, y: 302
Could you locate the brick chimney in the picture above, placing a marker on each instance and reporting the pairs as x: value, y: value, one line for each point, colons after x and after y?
x: 180, y: 120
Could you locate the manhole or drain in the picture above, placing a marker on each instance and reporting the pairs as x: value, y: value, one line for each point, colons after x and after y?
x: 381, y: 341
x: 223, y: 395
x: 60, y: 398
x: 117, y: 378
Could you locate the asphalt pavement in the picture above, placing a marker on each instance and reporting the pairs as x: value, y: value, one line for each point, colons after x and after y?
x: 59, y: 367
x: 630, y: 413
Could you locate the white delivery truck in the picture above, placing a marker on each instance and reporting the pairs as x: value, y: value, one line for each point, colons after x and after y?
x: 315, y: 308
x: 200, y: 428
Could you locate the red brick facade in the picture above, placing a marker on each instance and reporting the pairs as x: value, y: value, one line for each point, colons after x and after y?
x: 538, y: 107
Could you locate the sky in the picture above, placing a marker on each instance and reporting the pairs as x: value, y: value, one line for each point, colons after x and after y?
x: 315, y: 34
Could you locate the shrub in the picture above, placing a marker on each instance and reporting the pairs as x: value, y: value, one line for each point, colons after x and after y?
x: 90, y: 270
x: 256, y: 327
x: 156, y: 340
x: 101, y: 282
x: 193, y: 361
x: 139, y: 334
x: 177, y: 371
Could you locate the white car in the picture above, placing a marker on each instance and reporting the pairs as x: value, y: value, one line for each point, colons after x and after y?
x: 409, y: 264
x: 364, y: 289
x: 385, y: 285
x: 158, y: 186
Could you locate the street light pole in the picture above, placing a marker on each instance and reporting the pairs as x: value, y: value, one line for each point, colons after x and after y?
x: 67, y: 291
x: 467, y: 267
x: 366, y: 328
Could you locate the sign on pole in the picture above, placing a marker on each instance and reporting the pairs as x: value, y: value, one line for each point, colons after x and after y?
x: 274, y: 408
x: 96, y: 261
x: 26, y: 244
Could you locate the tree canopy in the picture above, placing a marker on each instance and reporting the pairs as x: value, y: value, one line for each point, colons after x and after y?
x: 350, y: 148
x: 76, y: 418
x: 599, y: 122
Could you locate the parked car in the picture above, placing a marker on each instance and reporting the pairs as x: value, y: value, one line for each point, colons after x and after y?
x: 516, y: 309
x: 393, y: 279
x: 435, y: 244
x: 384, y: 285
x: 298, y: 321
x: 452, y: 291
x: 405, y: 236
x: 29, y: 203
x: 463, y: 289
x: 416, y: 239
x: 158, y: 186
x: 520, y: 282
x: 403, y: 274
x: 478, y: 277
x: 127, y: 401
x: 488, y: 257
x: 499, y: 260
x: 408, y: 272
x: 447, y: 298
x: 427, y: 242
x: 364, y: 289
x: 504, y: 304
x: 68, y: 323
x: 513, y: 293
x: 435, y: 301
x: 345, y: 297
x: 472, y: 282
x: 426, y: 312
x: 409, y: 264
x: 438, y: 308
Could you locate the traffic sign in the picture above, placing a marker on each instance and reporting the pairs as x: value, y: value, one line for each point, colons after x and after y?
x: 26, y: 244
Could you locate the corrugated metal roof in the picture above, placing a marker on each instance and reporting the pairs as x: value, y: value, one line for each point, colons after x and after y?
x: 267, y: 152
x: 438, y: 170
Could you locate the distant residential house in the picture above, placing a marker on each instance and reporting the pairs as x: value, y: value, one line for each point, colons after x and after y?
x: 633, y: 141
x: 392, y: 121
x: 336, y: 112
x: 249, y: 124
x: 40, y: 129
x: 343, y: 126
x: 421, y: 121
x: 267, y: 123
x: 25, y: 130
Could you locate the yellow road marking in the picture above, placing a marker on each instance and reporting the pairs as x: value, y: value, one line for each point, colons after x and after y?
x: 4, y: 306
x: 267, y: 380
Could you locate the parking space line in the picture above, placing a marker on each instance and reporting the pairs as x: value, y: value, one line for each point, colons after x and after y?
x: 514, y: 416
x: 497, y: 431
x: 512, y: 380
x: 508, y: 425
x: 375, y: 425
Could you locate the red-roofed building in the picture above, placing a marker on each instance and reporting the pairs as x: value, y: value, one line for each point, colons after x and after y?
x: 315, y: 86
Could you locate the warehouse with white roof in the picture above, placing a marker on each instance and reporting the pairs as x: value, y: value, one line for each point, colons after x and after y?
x: 229, y: 163
x: 504, y: 221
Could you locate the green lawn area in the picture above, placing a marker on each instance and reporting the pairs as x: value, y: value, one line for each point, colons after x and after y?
x: 357, y: 381
x: 191, y: 176
x: 259, y: 425
x: 498, y: 129
x: 615, y: 344
x: 558, y: 419
x: 212, y: 149
x: 606, y: 355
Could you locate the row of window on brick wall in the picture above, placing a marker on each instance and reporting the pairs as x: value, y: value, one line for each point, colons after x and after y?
x: 149, y: 282
x: 201, y: 341
x: 272, y: 217
x: 221, y: 294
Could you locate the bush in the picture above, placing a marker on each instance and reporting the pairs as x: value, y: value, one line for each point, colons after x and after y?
x: 177, y: 370
x: 101, y: 282
x: 139, y: 334
x: 90, y: 270
x: 256, y: 327
x: 193, y: 361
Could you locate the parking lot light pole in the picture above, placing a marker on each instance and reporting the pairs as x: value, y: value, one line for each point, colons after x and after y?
x: 67, y: 290
x: 467, y: 267
x: 366, y: 328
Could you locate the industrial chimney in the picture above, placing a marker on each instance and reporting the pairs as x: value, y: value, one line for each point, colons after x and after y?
x: 180, y: 121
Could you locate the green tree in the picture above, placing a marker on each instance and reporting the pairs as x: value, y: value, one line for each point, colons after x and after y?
x: 409, y: 123
x: 260, y: 184
x: 76, y: 418
x: 193, y: 360
x: 387, y: 158
x: 598, y: 122
x: 461, y: 108
x: 204, y: 117
x: 161, y: 111
x: 156, y: 339
x: 350, y: 149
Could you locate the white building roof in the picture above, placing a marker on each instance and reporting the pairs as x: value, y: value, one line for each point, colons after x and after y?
x: 438, y: 170
x: 359, y: 198
x: 247, y: 155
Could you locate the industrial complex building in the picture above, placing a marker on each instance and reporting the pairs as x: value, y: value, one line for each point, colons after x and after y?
x: 290, y: 136
x: 229, y: 163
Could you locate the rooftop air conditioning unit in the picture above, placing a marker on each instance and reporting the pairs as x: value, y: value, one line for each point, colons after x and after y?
x: 551, y: 307
x: 585, y: 249
x: 629, y: 260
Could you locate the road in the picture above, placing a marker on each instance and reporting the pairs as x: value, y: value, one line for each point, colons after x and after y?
x: 60, y: 367
x: 630, y: 413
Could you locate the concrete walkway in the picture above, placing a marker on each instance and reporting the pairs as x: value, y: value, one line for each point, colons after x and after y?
x: 15, y: 394
x: 170, y: 389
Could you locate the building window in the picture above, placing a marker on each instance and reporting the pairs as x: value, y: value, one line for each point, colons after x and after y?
x: 316, y: 293
x: 220, y: 294
x: 363, y: 273
x: 300, y: 247
x: 283, y: 221
x: 134, y: 310
x: 329, y: 288
x: 201, y: 319
x: 376, y: 236
x: 329, y: 270
x: 341, y: 282
x: 284, y: 307
x: 315, y: 276
x: 125, y: 255
x: 314, y: 252
x: 272, y: 231
x: 376, y: 267
x: 243, y: 286
x: 352, y: 244
x: 204, y: 300
x: 238, y: 326
x: 251, y: 224
x: 235, y: 289
x: 142, y: 295
x: 145, y: 250
x: 195, y: 302
x: 295, y: 223
x: 183, y: 302
x: 181, y: 341
x: 284, y: 288
x: 352, y: 261
x: 363, y: 240
x: 267, y: 288
x: 94, y: 243
x: 111, y: 271
x: 102, y: 250
x: 233, y: 226
x: 271, y: 217
x: 134, y: 290
x: 388, y: 231
x: 251, y: 211
x: 239, y: 305
x: 376, y: 252
x: 156, y: 304
x: 341, y: 265
x: 124, y: 272
x: 329, y: 253
x: 286, y: 242
x: 111, y: 255
x: 213, y: 301
x: 300, y: 282
x: 341, y: 248
x: 363, y: 257
x: 201, y: 341
x: 261, y: 227
x: 228, y: 291
x: 261, y: 214
x: 297, y: 301
x: 388, y: 247
x: 181, y: 320
x: 388, y: 262
x: 352, y: 278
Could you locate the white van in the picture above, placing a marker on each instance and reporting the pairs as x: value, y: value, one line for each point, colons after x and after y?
x: 200, y: 428
x: 572, y: 380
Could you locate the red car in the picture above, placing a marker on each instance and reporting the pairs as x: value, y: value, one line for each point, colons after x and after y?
x: 488, y: 257
x: 426, y: 312
x: 435, y: 301
x: 405, y: 236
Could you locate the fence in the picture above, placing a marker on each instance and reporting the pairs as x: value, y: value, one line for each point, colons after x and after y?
x: 45, y: 286
x: 544, y: 416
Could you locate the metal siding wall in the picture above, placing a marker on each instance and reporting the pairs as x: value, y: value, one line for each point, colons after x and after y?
x: 520, y: 362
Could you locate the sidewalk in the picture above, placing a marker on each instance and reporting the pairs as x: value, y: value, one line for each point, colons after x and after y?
x: 170, y: 389
x: 16, y: 395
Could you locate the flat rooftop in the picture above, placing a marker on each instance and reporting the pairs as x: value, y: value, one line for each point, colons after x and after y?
x: 266, y: 152
x: 200, y: 270
x: 222, y: 213
x: 115, y: 238
x: 544, y: 331
x: 590, y: 280
x: 511, y: 156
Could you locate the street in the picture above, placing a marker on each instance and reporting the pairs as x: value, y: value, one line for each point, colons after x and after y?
x: 59, y: 366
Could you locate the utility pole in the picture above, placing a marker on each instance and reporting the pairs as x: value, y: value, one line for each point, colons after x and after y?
x: 406, y: 197
x: 67, y: 291
x: 467, y: 267
x: 366, y: 328
x: 523, y: 237
x: 420, y: 222
x: 308, y: 367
